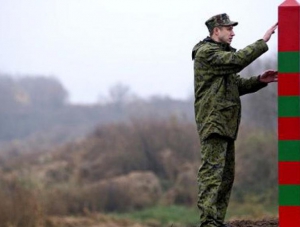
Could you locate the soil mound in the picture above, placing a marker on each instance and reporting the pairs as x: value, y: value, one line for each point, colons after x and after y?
x: 260, y: 223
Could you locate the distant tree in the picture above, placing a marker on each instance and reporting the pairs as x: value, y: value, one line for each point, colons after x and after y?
x: 44, y: 91
x: 7, y: 94
x: 119, y: 93
x: 9, y: 106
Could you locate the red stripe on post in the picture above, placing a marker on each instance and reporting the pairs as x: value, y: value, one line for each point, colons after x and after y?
x: 289, y: 84
x: 288, y: 33
x: 289, y: 128
x: 289, y: 173
x: 289, y: 216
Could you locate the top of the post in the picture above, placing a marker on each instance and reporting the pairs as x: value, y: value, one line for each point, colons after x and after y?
x: 289, y: 3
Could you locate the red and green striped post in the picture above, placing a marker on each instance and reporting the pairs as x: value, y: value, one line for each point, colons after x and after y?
x: 289, y: 113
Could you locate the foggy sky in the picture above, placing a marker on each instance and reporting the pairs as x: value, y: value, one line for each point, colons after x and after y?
x: 91, y: 45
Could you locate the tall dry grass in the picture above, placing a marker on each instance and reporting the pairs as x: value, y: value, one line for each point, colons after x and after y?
x: 121, y: 167
x: 20, y: 206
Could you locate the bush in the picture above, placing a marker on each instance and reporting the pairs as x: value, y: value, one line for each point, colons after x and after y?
x: 136, y: 190
x: 19, y: 205
x: 256, y: 166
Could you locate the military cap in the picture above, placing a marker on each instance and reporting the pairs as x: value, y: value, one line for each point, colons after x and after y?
x: 219, y: 20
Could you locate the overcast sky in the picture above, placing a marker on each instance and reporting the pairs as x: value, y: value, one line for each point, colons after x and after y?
x: 91, y: 45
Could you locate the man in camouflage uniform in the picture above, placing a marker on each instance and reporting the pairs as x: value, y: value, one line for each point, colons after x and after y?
x: 218, y: 110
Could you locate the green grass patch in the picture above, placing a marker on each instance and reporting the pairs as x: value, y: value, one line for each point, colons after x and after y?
x: 250, y: 211
x: 164, y: 215
x: 168, y: 215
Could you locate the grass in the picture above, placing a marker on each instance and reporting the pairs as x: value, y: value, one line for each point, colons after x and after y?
x: 164, y: 215
x: 189, y: 216
x: 250, y: 211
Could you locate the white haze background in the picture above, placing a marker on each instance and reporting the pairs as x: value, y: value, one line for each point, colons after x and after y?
x: 92, y: 45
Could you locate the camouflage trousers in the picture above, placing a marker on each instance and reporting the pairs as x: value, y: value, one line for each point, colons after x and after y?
x: 215, y: 179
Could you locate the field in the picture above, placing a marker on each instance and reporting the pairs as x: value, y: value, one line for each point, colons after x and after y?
x: 133, y: 170
x: 104, y: 221
x: 73, y: 222
x: 95, y: 182
x: 175, y: 216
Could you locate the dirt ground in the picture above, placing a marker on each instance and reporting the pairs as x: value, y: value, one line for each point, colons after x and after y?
x: 103, y: 221
x: 261, y: 223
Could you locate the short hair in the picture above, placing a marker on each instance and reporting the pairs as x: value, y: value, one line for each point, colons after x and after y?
x: 211, y: 32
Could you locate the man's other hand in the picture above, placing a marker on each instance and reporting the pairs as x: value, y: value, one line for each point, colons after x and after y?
x: 269, y: 76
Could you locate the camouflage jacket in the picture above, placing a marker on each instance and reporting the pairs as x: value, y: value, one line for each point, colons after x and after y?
x: 218, y: 87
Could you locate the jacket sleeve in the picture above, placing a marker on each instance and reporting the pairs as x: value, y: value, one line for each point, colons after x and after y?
x: 227, y: 62
x: 249, y: 85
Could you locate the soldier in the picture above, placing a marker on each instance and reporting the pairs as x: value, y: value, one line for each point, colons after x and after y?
x: 218, y: 110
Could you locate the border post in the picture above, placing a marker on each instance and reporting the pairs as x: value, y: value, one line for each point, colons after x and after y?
x: 289, y: 113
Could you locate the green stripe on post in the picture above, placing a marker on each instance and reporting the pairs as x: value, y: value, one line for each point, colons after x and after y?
x: 289, y: 106
x: 288, y: 62
x: 289, y: 150
x: 289, y: 195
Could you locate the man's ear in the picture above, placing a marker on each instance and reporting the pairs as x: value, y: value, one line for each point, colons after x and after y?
x: 216, y: 30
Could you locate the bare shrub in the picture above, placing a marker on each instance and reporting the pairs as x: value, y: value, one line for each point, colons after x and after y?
x: 167, y: 148
x: 133, y: 191
x: 142, y: 145
x: 184, y: 191
x: 256, y: 165
x: 19, y: 205
x: 62, y: 201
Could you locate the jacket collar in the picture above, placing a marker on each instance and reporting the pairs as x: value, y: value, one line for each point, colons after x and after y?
x: 223, y: 46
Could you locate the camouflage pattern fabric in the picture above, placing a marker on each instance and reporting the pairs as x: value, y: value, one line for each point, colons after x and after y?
x: 215, y: 179
x: 218, y: 88
x: 219, y: 20
x: 218, y: 113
